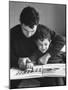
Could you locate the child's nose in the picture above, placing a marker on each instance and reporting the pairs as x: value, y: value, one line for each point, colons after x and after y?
x: 43, y: 47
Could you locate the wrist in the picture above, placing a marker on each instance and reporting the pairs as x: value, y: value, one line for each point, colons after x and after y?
x: 48, y: 55
x: 28, y: 60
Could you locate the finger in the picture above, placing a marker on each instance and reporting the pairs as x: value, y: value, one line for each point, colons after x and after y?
x: 30, y: 66
x: 28, y: 70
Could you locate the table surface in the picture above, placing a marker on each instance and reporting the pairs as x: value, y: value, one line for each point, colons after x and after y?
x: 48, y: 70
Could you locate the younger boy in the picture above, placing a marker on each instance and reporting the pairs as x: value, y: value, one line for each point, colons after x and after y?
x: 44, y: 43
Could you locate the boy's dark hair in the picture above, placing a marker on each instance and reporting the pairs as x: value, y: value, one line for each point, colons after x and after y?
x: 42, y: 33
x: 29, y: 16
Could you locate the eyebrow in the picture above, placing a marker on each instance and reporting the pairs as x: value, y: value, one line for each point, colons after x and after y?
x: 29, y: 31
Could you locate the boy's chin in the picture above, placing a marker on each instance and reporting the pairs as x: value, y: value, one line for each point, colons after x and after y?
x: 43, y: 51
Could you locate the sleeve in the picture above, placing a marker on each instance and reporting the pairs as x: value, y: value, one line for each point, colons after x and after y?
x: 35, y: 56
x: 13, y: 59
x: 56, y: 44
x: 13, y: 56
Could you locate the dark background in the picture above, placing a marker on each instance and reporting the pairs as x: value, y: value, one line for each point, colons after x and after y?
x: 51, y: 15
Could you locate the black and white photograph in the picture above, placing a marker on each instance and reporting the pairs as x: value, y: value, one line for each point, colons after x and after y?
x: 37, y: 44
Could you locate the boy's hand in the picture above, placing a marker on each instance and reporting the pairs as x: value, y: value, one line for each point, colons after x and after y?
x: 44, y: 59
x: 29, y: 65
x: 22, y: 62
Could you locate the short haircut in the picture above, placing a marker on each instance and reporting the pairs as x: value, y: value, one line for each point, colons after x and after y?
x: 29, y: 16
x: 42, y: 33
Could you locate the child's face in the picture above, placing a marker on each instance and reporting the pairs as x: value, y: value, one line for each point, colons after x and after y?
x: 43, y: 45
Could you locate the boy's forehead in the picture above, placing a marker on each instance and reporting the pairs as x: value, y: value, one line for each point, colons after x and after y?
x: 43, y: 41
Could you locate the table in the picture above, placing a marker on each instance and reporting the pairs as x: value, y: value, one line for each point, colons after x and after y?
x: 48, y: 70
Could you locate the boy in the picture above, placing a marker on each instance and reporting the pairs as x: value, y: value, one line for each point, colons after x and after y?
x: 44, y: 44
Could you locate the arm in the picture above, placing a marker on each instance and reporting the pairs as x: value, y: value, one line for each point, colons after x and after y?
x: 13, y: 56
x: 39, y: 58
x: 56, y: 44
x: 35, y: 56
x: 13, y: 59
x: 44, y: 59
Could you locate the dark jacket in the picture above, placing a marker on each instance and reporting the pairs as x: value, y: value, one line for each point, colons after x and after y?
x: 20, y: 46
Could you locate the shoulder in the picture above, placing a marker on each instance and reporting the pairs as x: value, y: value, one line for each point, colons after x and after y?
x: 42, y: 26
x: 15, y: 31
x: 15, y: 28
x: 59, y: 38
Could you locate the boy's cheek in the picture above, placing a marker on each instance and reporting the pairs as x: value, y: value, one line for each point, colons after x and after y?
x: 39, y: 48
